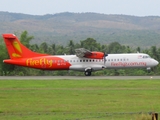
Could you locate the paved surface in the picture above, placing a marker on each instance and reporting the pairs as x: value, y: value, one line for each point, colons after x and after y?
x: 76, y: 77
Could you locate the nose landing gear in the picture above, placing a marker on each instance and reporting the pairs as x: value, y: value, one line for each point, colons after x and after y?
x: 149, y: 69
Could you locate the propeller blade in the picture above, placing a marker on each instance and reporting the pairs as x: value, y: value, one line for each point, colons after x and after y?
x: 104, y: 58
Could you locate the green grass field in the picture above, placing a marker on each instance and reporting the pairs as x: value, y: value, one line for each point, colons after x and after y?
x: 78, y: 99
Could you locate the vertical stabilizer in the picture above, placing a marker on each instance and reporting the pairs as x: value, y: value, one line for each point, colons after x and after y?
x: 16, y: 49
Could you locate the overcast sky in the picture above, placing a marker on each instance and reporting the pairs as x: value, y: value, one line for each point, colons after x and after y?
x: 42, y: 7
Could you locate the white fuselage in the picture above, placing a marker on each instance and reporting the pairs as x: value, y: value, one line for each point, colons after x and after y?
x: 131, y: 60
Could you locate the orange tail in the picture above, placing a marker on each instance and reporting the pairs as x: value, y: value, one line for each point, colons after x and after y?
x: 16, y: 49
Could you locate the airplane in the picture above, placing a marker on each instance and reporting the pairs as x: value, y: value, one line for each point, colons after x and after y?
x: 84, y: 60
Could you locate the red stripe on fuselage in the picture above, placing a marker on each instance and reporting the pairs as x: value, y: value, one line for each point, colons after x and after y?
x: 45, y: 63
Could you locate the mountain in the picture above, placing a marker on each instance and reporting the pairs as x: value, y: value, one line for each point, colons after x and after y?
x: 62, y: 27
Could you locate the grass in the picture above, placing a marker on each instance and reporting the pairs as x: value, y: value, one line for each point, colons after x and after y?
x: 78, y: 99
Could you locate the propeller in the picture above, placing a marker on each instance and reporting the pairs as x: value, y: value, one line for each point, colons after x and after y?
x: 104, y: 57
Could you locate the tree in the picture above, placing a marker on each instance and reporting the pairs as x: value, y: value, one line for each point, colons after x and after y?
x: 90, y: 44
x: 4, y: 68
x: 71, y: 47
x: 154, y: 52
x: 53, y: 46
x: 44, y: 47
x: 116, y: 47
x: 25, y: 39
x: 138, y: 49
x: 34, y: 48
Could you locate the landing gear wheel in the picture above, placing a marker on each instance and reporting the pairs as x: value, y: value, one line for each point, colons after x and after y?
x: 87, y: 73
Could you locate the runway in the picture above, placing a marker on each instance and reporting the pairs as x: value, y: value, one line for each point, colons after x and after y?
x: 78, y: 77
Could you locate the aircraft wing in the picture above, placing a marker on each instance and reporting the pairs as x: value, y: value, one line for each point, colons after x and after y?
x: 82, y: 52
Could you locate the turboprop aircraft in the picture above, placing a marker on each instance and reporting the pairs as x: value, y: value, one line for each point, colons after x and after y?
x: 84, y: 60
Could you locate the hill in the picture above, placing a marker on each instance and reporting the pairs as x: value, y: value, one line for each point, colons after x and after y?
x: 62, y: 27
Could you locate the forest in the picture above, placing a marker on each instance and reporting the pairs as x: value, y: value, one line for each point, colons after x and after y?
x: 69, y: 49
x: 60, y: 28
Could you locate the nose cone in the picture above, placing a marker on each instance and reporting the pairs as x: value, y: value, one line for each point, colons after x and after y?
x: 155, y: 62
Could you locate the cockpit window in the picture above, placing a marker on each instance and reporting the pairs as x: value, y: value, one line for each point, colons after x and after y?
x: 146, y: 56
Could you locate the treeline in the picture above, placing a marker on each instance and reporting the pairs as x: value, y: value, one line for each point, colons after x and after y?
x: 90, y: 44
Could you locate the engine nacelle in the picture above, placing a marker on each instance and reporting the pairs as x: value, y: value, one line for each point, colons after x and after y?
x: 95, y: 55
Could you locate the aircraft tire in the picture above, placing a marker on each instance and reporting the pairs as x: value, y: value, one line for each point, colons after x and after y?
x: 87, y: 73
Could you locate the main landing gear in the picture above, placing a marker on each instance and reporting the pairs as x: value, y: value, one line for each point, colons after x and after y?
x: 88, y: 73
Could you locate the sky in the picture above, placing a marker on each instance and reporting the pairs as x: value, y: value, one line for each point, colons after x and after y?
x: 42, y: 7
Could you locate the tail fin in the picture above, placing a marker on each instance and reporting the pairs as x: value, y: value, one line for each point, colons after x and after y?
x: 16, y: 49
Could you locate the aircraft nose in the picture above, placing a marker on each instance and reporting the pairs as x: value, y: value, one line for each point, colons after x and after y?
x: 155, y: 62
